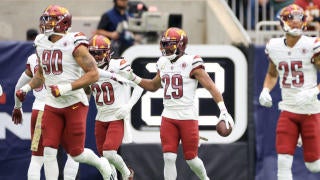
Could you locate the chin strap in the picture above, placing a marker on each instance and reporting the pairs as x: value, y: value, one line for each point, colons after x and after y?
x: 292, y: 32
x: 172, y: 57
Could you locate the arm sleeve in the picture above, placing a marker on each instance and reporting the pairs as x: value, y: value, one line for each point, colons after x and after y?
x: 24, y: 79
x: 136, y: 94
x: 105, y: 74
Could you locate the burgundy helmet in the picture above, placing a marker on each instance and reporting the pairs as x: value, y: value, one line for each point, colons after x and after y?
x: 173, y: 43
x: 55, y: 20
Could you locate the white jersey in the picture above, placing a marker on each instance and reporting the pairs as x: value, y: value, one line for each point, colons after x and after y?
x: 110, y: 94
x: 296, y: 71
x: 39, y: 93
x: 60, y: 67
x: 179, y: 88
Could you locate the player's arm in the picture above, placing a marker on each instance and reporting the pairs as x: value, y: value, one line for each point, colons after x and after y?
x: 271, y: 76
x: 147, y: 84
x: 151, y: 84
x: 204, y: 79
x: 17, y: 110
x: 125, y: 109
x: 270, y: 81
x: 38, y: 78
x: 24, y: 79
x: 89, y: 66
x: 36, y: 81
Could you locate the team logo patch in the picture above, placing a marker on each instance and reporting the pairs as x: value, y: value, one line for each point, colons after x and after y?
x: 183, y: 65
x: 304, y: 51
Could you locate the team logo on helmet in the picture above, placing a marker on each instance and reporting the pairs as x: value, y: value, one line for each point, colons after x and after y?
x: 293, y: 19
x: 100, y: 49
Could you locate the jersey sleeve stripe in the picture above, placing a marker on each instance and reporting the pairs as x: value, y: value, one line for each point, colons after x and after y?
x: 125, y: 67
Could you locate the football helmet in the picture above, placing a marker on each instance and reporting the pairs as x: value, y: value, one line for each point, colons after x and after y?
x: 55, y: 20
x: 293, y: 19
x: 173, y: 43
x: 100, y: 49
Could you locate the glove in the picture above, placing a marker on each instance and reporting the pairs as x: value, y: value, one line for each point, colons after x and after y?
x: 226, y: 117
x: 123, y: 111
x: 265, y: 98
x: 22, y: 92
x: 299, y: 143
x: 59, y: 90
x: 1, y: 91
x: 130, y: 76
x: 17, y: 115
x: 307, y: 96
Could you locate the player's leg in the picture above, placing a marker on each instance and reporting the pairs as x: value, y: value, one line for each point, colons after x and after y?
x: 75, y: 138
x: 52, y: 125
x: 170, y: 141
x: 114, y: 175
x: 189, y: 131
x: 36, y: 161
x: 112, y: 133
x: 310, y: 128
x: 71, y: 168
x: 287, y: 134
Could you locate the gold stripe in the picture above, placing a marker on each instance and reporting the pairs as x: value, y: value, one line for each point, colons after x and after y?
x: 37, y: 133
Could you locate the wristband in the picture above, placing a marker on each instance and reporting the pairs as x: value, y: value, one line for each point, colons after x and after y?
x: 266, y: 89
x: 64, y: 88
x: 222, y: 106
x: 137, y: 79
x: 26, y: 88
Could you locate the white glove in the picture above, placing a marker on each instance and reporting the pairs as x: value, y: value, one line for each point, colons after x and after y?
x: 226, y: 117
x: 1, y: 91
x: 130, y: 76
x: 307, y: 96
x: 299, y: 143
x: 123, y: 111
x: 265, y: 98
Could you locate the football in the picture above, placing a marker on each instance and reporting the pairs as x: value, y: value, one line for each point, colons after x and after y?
x: 222, y: 129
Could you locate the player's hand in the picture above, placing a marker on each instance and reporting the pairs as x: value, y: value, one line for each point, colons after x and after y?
x: 1, y: 91
x: 123, y: 111
x: 299, y: 143
x: 22, y: 92
x: 61, y: 89
x: 226, y: 117
x: 21, y: 95
x: 265, y: 98
x: 130, y: 76
x: 17, y: 115
x: 307, y: 96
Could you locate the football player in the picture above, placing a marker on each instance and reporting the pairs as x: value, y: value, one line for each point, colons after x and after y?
x: 179, y: 73
x: 36, y: 162
x: 66, y: 66
x: 294, y: 59
x: 113, y: 106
